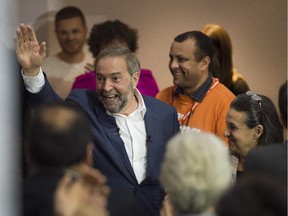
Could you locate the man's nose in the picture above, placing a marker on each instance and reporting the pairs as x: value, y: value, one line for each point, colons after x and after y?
x: 173, y: 64
x: 108, y: 85
x: 70, y: 36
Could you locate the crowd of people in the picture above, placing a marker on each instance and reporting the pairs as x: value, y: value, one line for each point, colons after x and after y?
x: 102, y: 139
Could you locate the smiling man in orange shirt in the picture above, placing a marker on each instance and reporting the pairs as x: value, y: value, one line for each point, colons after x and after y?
x: 201, y: 101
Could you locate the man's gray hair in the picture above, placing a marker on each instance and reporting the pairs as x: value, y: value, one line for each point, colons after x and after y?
x: 132, y: 62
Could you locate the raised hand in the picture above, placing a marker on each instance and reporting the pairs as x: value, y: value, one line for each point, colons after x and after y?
x: 30, y: 53
x: 89, y: 67
x: 83, y: 193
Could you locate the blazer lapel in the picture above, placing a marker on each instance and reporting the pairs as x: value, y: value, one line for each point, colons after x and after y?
x: 115, y: 147
x: 151, y: 132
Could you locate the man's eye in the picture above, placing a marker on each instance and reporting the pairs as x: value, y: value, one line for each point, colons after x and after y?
x: 116, y: 79
x: 100, y: 79
x: 181, y: 60
x: 63, y: 33
x: 75, y: 31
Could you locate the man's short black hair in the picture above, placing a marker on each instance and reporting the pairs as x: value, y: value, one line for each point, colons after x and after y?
x: 69, y: 12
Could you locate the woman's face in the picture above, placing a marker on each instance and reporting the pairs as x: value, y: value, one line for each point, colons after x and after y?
x: 241, y: 139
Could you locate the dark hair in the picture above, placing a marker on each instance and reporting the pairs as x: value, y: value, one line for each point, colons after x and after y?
x: 254, y: 195
x: 58, y: 135
x: 203, y: 44
x: 282, y: 102
x: 264, y: 114
x: 69, y: 12
x: 106, y: 32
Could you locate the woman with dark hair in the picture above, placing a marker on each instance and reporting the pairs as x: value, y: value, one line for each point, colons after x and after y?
x: 222, y: 63
x: 252, y: 120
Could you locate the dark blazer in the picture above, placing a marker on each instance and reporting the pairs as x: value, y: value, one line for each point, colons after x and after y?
x: 110, y: 156
x: 269, y: 159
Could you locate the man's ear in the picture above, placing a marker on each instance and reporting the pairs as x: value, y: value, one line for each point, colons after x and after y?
x: 135, y: 79
x: 205, y: 62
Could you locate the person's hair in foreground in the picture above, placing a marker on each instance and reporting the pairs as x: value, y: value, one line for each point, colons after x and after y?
x: 254, y: 195
x: 109, y: 32
x: 260, y: 110
x: 58, y: 135
x: 69, y: 12
x: 195, y: 171
x: 132, y: 62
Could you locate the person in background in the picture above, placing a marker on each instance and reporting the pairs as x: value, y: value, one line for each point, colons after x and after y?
x: 129, y: 130
x: 252, y: 121
x: 115, y: 33
x: 62, y: 68
x: 272, y: 159
x: 222, y: 64
x: 57, y: 140
x: 282, y: 104
x: 195, y: 173
x: 200, y: 100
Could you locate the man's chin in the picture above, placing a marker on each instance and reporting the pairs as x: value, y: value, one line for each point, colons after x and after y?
x: 177, y: 82
x: 111, y: 109
x: 72, y: 51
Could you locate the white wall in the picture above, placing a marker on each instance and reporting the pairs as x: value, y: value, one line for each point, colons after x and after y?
x: 258, y: 30
x: 9, y: 113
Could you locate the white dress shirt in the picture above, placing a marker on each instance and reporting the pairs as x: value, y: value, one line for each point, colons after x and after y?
x: 133, y: 133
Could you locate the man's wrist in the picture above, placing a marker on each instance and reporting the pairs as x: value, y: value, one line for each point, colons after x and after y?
x: 31, y: 72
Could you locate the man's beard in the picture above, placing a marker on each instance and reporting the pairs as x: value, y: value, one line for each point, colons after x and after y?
x: 117, y: 103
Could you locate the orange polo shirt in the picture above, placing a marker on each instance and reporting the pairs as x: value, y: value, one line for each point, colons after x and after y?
x: 208, y: 116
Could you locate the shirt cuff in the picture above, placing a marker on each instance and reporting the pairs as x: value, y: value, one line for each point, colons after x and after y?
x: 34, y: 84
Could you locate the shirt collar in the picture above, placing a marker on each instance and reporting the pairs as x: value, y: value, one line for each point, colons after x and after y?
x: 200, y: 93
x: 141, y: 105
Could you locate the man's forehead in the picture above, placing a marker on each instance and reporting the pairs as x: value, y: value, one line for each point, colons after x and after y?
x: 111, y: 64
x: 111, y: 60
x: 188, y: 42
x: 75, y: 22
x: 182, y: 48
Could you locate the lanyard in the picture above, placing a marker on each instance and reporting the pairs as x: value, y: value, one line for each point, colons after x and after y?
x: 193, y: 106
